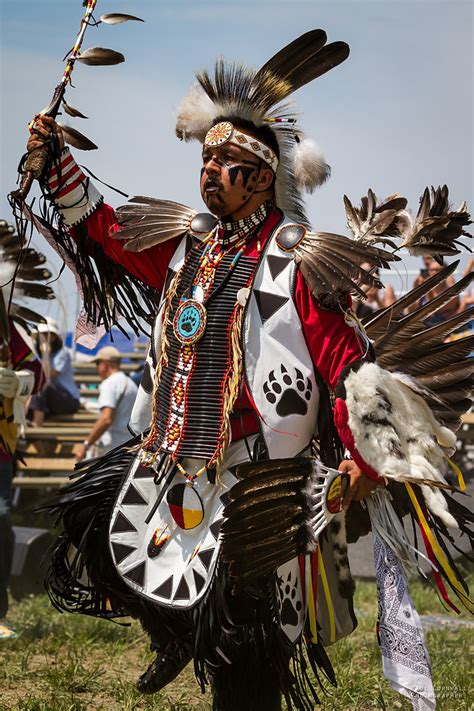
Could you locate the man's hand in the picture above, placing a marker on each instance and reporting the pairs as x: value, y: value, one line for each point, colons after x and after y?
x: 40, y: 132
x: 8, y: 382
x: 360, y: 485
x: 81, y: 452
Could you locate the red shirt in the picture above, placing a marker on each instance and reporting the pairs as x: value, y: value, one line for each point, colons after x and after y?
x: 332, y: 344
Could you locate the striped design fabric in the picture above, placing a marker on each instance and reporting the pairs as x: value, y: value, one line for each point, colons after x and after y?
x: 72, y: 191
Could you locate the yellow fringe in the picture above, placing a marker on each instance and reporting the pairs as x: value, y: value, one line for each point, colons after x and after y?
x: 232, y: 385
x: 8, y: 428
x: 327, y: 595
x: 310, y: 593
x: 149, y: 458
x: 440, y: 557
x: 454, y: 466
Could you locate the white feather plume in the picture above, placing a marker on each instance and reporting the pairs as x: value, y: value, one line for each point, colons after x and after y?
x: 310, y: 167
x: 195, y: 115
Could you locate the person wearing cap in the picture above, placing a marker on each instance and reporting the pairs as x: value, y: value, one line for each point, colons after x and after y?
x: 117, y: 393
x: 205, y: 526
x: 60, y: 396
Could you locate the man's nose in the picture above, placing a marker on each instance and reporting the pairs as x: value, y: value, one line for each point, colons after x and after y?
x: 212, y: 165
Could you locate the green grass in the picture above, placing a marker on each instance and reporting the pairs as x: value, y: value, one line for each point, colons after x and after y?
x: 72, y: 663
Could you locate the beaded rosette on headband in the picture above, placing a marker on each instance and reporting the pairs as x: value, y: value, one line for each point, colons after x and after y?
x: 224, y: 132
x: 238, y: 92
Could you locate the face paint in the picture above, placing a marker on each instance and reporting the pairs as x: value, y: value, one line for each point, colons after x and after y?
x: 237, y: 168
x: 228, y: 179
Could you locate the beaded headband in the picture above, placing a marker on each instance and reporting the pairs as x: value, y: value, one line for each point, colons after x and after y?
x: 224, y: 132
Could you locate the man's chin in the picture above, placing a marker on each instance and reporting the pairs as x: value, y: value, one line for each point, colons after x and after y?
x: 214, y: 205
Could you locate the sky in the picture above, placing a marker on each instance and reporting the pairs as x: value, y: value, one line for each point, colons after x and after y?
x: 396, y: 116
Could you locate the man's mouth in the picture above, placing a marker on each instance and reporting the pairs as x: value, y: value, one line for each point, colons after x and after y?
x: 212, y: 186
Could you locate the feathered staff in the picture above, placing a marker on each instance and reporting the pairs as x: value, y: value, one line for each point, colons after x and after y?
x: 109, y: 293
x: 96, y: 56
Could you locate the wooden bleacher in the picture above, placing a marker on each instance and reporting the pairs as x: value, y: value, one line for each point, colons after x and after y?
x: 53, y: 471
x: 60, y: 435
x: 63, y: 434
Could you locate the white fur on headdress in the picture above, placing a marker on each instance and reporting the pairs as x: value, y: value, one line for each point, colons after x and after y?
x: 196, y: 113
x: 310, y: 167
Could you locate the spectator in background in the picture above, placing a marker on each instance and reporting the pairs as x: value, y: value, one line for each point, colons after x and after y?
x: 467, y: 299
x: 470, y: 267
x: 60, y: 396
x: 376, y: 299
x: 451, y: 307
x: 117, y: 394
x: 423, y: 275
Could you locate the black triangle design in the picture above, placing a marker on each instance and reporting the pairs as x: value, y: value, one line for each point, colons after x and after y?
x: 122, y: 524
x: 133, y: 496
x: 142, y: 472
x: 268, y: 304
x: 182, y: 592
x: 276, y: 264
x: 205, y: 557
x: 137, y: 574
x: 146, y: 382
x: 198, y: 581
x: 165, y: 589
x: 216, y: 527
x: 121, y: 551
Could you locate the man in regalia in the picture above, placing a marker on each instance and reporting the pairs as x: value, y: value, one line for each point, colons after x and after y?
x: 261, y: 418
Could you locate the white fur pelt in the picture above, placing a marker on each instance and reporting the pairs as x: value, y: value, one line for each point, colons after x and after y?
x: 396, y: 433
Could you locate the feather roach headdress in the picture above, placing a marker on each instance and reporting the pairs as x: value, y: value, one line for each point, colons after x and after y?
x: 260, y: 96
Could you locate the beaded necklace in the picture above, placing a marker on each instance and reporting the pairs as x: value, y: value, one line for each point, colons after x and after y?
x: 190, y: 319
x: 189, y: 324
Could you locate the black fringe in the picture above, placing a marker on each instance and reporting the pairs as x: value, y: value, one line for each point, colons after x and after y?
x: 329, y: 445
x: 239, y: 645
x: 84, y: 509
x: 238, y: 642
x: 110, y: 292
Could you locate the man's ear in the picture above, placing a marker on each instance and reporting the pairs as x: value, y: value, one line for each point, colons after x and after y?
x: 265, y: 179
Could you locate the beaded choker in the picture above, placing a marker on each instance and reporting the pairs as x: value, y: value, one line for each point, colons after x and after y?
x: 233, y: 230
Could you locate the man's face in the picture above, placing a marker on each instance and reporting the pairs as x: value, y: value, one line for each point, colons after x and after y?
x: 229, y: 178
x: 102, y: 369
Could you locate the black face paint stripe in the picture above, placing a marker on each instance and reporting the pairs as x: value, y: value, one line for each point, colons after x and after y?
x: 236, y: 169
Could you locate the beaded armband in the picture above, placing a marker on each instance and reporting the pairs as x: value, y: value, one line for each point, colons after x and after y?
x: 72, y: 191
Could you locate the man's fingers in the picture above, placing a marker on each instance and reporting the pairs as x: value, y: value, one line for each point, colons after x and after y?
x: 351, y: 492
x: 345, y: 466
x: 41, y: 130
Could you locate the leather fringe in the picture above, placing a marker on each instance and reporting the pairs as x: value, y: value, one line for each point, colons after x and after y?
x: 82, y: 577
